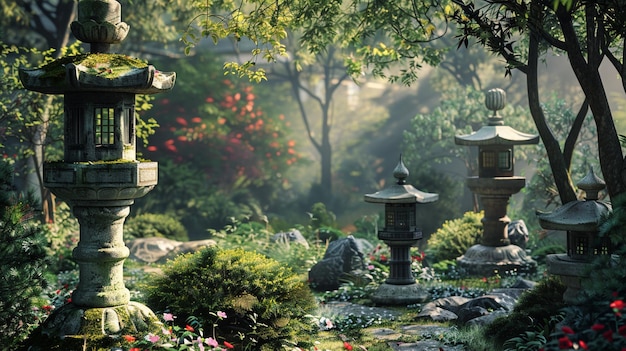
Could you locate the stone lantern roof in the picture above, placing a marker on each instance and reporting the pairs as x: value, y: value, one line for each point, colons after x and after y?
x: 99, y: 24
x: 401, y: 192
x: 495, y: 132
x: 579, y: 215
x: 98, y: 72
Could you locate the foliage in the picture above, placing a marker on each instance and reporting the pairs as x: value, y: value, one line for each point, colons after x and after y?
x: 151, y: 224
x: 264, y: 300
x: 532, y: 314
x: 198, y: 204
x: 62, y: 238
x: 23, y: 251
x: 398, y: 29
x: 322, y: 217
x: 455, y: 236
x: 596, y: 321
x: 219, y: 136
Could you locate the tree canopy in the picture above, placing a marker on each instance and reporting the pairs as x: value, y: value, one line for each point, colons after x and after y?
x: 391, y: 38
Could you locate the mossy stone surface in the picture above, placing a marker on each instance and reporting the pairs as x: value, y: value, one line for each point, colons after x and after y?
x: 73, y: 328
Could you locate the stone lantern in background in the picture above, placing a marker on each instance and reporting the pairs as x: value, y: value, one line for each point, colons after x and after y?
x: 400, y: 233
x: 494, y: 185
x: 580, y: 219
x: 99, y: 176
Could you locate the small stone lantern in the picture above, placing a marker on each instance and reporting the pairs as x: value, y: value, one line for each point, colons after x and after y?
x: 580, y: 219
x: 99, y: 176
x: 495, y: 184
x: 400, y: 233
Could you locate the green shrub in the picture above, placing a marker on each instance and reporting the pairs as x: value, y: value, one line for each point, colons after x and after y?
x: 533, y: 312
x: 23, y: 253
x: 266, y: 302
x: 151, y: 224
x: 455, y: 237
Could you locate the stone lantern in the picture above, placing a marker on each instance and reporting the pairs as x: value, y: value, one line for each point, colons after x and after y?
x: 580, y: 219
x: 400, y: 233
x: 494, y: 185
x: 99, y: 176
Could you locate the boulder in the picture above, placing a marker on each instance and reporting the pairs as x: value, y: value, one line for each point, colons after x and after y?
x: 518, y: 233
x: 341, y: 257
x: 150, y: 250
x: 157, y: 249
x: 291, y: 237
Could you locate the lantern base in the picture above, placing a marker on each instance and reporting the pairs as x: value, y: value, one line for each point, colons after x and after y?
x: 94, y: 327
x: 487, y: 261
x: 389, y: 294
x: 570, y: 272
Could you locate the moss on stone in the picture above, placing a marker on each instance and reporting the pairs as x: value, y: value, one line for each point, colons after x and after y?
x: 104, y: 64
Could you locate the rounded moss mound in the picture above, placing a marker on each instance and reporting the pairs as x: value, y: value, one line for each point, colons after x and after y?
x: 264, y: 301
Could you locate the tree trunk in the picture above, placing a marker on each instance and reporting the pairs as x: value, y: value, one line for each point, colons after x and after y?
x: 588, y: 76
x: 560, y: 169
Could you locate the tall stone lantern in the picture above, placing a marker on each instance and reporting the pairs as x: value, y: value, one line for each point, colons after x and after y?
x: 580, y: 219
x: 99, y: 176
x: 400, y: 233
x: 494, y: 185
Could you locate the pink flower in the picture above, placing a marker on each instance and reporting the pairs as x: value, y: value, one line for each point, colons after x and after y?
x: 221, y: 314
x: 152, y: 338
x: 168, y: 317
x: 212, y: 342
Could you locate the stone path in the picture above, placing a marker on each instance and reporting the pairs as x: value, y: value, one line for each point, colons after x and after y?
x: 429, y: 335
x: 429, y: 338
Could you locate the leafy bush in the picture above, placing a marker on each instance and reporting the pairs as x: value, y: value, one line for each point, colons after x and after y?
x: 533, y: 312
x: 151, y: 224
x: 455, y: 237
x: 265, y: 301
x: 23, y: 252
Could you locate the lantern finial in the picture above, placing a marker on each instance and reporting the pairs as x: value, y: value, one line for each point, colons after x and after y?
x: 495, y: 100
x: 591, y: 184
x: 401, y: 172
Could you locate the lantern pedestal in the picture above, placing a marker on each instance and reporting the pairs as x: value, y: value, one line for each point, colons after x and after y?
x: 72, y: 320
x: 571, y: 273
x: 393, y: 294
x: 495, y: 254
x: 489, y: 260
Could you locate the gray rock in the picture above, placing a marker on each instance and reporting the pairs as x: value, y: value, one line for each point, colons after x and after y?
x: 150, y: 250
x: 468, y: 313
x: 437, y: 314
x: 452, y: 303
x: 342, y: 257
x: 187, y: 247
x: 156, y: 249
x: 491, y: 302
x: 291, y: 237
x: 518, y: 233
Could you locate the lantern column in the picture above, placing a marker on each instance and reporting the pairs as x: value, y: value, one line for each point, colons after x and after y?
x: 494, y: 185
x: 400, y: 233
